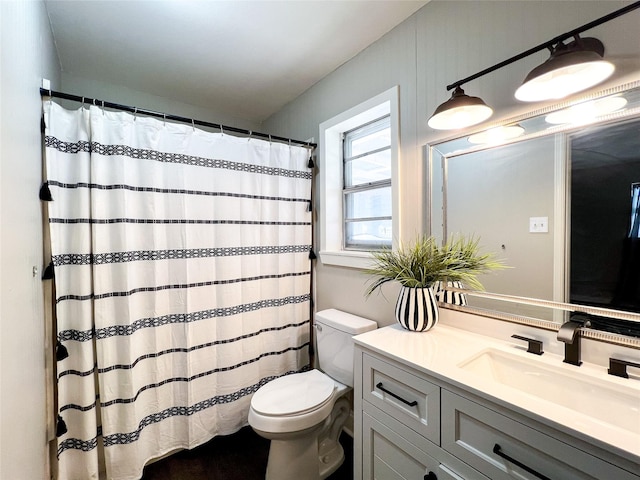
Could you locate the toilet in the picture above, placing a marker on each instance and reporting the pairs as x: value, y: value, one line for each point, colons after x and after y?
x: 303, y: 413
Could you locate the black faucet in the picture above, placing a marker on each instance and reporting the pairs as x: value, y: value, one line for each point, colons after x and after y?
x: 568, y: 334
x: 618, y: 367
x: 533, y: 346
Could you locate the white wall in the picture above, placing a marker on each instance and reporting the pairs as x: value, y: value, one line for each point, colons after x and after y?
x: 109, y: 92
x: 443, y: 42
x: 28, y: 55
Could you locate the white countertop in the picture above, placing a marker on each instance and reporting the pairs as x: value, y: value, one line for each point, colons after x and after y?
x: 439, y: 352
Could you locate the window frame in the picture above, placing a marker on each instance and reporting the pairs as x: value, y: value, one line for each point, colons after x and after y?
x: 330, y: 177
x: 348, y: 137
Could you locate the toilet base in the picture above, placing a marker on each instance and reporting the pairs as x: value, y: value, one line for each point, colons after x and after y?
x: 330, y: 460
x: 330, y: 452
x: 310, y: 454
x: 293, y: 458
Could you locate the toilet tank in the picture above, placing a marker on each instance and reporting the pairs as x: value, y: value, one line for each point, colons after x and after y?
x: 334, y: 336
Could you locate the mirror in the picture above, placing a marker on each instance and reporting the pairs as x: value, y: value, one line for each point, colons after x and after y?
x: 556, y: 194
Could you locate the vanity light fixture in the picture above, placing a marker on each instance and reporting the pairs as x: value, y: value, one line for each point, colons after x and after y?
x: 496, y: 135
x: 586, y: 112
x: 572, y: 67
x: 459, y: 111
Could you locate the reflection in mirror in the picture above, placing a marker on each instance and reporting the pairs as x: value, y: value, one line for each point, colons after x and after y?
x: 494, y: 194
x: 605, y: 248
x: 559, y: 204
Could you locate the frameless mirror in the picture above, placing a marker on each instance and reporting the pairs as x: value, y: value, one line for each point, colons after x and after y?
x: 556, y: 194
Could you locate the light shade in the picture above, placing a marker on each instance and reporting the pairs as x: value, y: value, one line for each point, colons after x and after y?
x: 571, y: 68
x: 459, y: 111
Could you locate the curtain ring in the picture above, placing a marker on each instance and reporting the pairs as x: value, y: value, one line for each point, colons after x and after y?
x: 250, y: 134
x: 164, y: 119
x: 135, y: 113
x: 50, y: 97
x: 221, y: 130
x: 103, y: 108
x: 193, y: 124
x: 269, y: 138
x: 83, y: 103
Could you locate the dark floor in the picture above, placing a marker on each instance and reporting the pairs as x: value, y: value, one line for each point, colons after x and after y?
x: 241, y: 456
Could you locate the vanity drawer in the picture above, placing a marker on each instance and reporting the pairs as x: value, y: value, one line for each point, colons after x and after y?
x: 471, y: 433
x: 410, y: 399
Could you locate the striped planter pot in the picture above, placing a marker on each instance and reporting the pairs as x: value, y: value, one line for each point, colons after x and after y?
x: 453, y: 298
x: 416, y: 309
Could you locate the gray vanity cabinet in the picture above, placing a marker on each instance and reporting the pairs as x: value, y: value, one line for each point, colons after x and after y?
x: 397, y: 425
x: 409, y: 426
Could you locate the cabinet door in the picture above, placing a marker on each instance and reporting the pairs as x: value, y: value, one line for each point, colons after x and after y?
x: 471, y: 432
x: 391, y: 451
x: 388, y: 456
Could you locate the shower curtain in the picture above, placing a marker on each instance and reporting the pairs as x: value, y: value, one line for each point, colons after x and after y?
x: 181, y: 269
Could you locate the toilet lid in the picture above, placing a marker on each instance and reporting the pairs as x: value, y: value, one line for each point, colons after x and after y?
x: 293, y: 394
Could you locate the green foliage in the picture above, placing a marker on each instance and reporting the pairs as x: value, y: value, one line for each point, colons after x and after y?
x: 423, y: 262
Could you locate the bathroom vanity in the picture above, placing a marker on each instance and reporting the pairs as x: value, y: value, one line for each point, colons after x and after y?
x: 452, y: 404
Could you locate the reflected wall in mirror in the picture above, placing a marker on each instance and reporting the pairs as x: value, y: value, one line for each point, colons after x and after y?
x: 559, y: 204
x: 494, y: 194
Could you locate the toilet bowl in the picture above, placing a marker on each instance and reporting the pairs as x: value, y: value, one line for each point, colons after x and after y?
x: 295, y: 413
x: 303, y: 413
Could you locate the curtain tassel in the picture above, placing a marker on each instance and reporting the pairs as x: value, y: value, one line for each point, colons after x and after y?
x: 61, y: 427
x: 45, y: 193
x: 61, y: 351
x: 312, y: 254
x: 311, y: 163
x: 48, y: 272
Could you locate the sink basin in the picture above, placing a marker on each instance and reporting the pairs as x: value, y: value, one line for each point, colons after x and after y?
x: 600, y: 399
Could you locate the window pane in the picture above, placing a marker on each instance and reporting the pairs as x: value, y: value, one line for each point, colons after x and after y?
x: 369, y: 137
x: 367, y: 185
x: 371, y: 168
x: 375, y: 202
x: 371, y: 233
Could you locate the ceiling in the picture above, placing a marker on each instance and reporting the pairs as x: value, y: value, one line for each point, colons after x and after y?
x: 243, y: 58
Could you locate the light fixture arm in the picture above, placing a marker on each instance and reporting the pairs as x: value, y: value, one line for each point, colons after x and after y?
x: 549, y: 44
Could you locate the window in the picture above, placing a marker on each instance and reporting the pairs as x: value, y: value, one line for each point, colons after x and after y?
x: 367, y: 186
x: 358, y: 179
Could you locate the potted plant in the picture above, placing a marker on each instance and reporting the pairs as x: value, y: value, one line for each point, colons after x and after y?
x: 422, y: 265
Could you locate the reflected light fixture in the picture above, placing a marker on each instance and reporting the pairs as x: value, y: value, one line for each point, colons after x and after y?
x: 459, y: 111
x: 496, y: 135
x: 586, y: 112
x: 571, y: 68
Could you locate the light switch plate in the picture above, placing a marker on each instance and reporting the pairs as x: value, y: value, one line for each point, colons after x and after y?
x: 538, y: 224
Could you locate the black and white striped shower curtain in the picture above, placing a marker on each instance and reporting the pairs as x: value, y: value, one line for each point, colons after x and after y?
x: 182, y: 269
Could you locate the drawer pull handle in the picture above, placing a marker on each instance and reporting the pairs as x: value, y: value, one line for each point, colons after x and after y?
x: 498, y: 451
x: 411, y: 404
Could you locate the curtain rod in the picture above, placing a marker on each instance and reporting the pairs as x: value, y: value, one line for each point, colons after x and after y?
x: 176, y: 118
x: 549, y: 44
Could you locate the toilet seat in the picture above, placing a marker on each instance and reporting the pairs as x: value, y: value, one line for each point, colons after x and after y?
x: 294, y: 394
x: 293, y: 403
